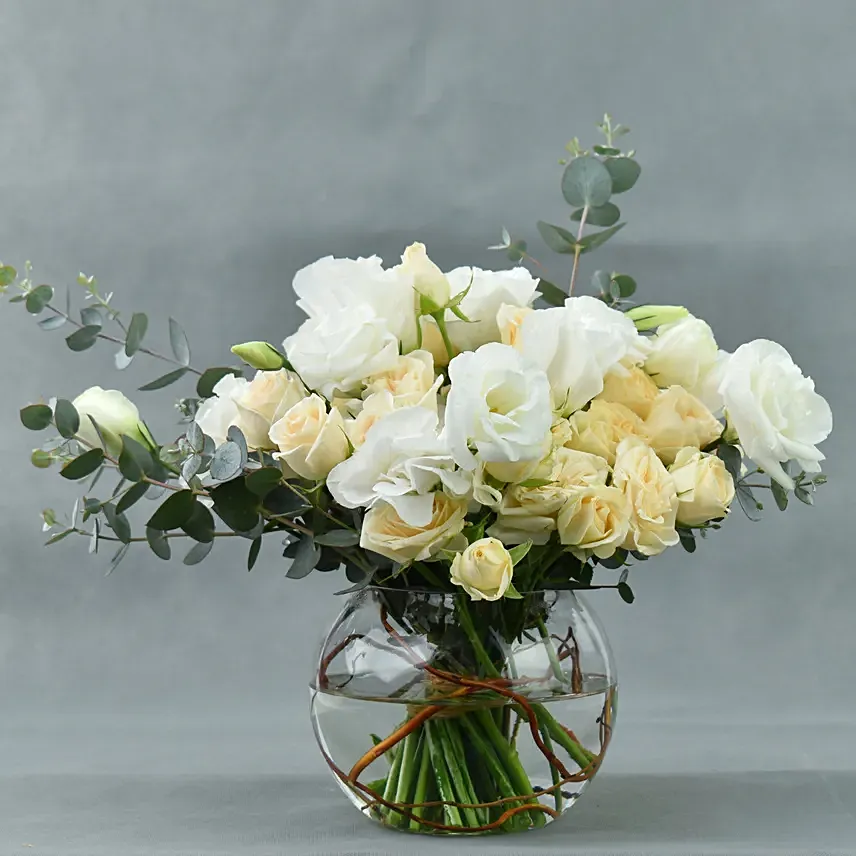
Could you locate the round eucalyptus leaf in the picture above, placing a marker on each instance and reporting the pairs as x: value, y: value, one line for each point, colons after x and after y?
x: 586, y: 181
x: 36, y: 417
x: 603, y: 215
x: 66, y: 418
x: 198, y: 552
x: 624, y: 172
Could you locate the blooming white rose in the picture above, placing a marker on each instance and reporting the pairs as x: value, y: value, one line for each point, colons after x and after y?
x: 384, y: 532
x: 602, y: 427
x: 328, y: 285
x: 376, y: 406
x: 774, y: 409
x: 679, y: 419
x: 652, y: 494
x: 488, y: 291
x: 634, y: 389
x: 512, y: 472
x: 484, y: 570
x: 402, y: 462
x: 310, y: 440
x: 595, y: 520
x: 499, y: 403
x: 426, y: 278
x: 410, y: 381
x: 252, y: 406
x: 684, y: 353
x: 339, y: 350
x: 704, y: 485
x: 577, y: 344
x: 116, y: 416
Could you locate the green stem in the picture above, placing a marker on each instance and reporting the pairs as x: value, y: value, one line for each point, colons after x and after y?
x: 555, y: 665
x: 554, y: 773
x: 456, y: 764
x: 391, y: 788
x: 440, y: 318
x: 406, y: 774
x: 581, y: 756
x: 420, y: 793
x: 475, y: 640
x: 444, y: 783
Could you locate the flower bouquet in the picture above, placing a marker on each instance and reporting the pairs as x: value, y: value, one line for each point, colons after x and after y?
x: 471, y: 448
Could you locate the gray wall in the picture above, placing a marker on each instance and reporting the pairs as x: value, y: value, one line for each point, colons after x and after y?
x: 193, y: 155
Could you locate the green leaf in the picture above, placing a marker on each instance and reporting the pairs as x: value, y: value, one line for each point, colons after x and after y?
x: 732, y: 458
x: 236, y: 436
x: 606, y: 150
x: 552, y: 294
x: 626, y: 592
x: 174, y: 512
x: 603, y: 215
x: 616, y: 560
x: 804, y: 495
x: 136, y: 333
x: 82, y: 466
x: 284, y: 501
x: 211, y: 377
x: 195, y: 437
x: 688, y: 541
x: 178, y: 342
x: 516, y: 251
x: 159, y: 543
x: 747, y: 501
x: 227, y: 462
x: 83, y: 338
x: 519, y: 552
x: 625, y: 285
x: 59, y: 536
x: 591, y: 242
x: 117, y: 558
x: 117, y: 522
x: 534, y: 483
x: 512, y: 594
x: 165, y: 380
x: 8, y: 274
x: 191, y: 467
x: 255, y: 549
x: 131, y: 496
x: 66, y: 418
x: 236, y: 506
x: 586, y: 181
x: 38, y: 298
x: 198, y: 552
x: 305, y: 559
x: 135, y: 460
x: 559, y: 240
x: 200, y: 525
x: 624, y: 172
x: 52, y: 323
x: 779, y: 494
x: 601, y: 281
x: 338, y: 538
x: 36, y: 417
x: 262, y: 482
x: 91, y: 317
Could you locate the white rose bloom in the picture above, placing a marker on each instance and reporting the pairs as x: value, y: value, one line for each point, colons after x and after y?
x: 602, y: 427
x: 577, y: 344
x: 679, y: 419
x: 328, y: 285
x: 252, y: 406
x: 774, y: 409
x: 594, y: 520
x: 484, y: 570
x: 384, y: 532
x: 339, y: 350
x: 311, y: 441
x: 652, y: 494
x: 376, y: 406
x: 116, y: 416
x: 410, y: 381
x: 635, y: 390
x: 489, y: 291
x: 499, y: 403
x: 684, y: 353
x: 402, y: 462
x: 705, y: 487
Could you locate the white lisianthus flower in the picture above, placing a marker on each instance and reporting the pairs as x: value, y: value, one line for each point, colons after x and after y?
x: 601, y: 428
x: 410, y: 381
x: 774, y: 409
x: 252, y: 406
x: 403, y: 461
x: 484, y: 570
x: 310, y: 440
x: 684, y: 353
x: 679, y: 419
x: 705, y: 487
x: 508, y: 320
x: 488, y: 291
x: 634, y: 389
x: 577, y: 344
x: 330, y: 284
x: 652, y: 494
x: 339, y: 350
x: 116, y: 416
x: 425, y: 277
x: 594, y: 520
x: 384, y: 532
x: 499, y: 403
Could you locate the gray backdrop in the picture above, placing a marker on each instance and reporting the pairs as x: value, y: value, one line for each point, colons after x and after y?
x: 193, y: 155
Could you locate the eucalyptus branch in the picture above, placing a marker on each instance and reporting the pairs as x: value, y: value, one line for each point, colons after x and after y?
x: 578, y: 249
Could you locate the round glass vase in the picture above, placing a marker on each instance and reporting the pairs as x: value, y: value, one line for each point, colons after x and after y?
x: 443, y: 715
